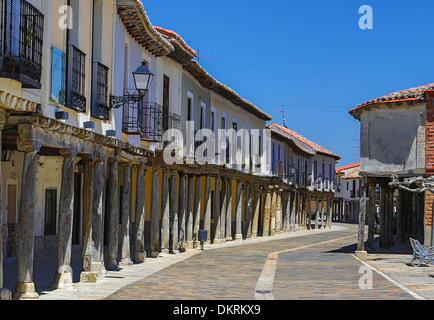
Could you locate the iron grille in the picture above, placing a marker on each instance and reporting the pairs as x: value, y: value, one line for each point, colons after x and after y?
x: 141, y: 117
x: 76, y: 80
x: 100, y: 108
x: 21, y: 42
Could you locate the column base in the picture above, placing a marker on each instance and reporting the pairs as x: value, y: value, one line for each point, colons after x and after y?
x: 139, y: 257
x: 238, y: 237
x: 155, y: 254
x: 62, y: 281
x: 217, y: 241
x: 98, y: 268
x: 229, y: 239
x: 196, y: 244
x: 89, y: 277
x: 189, y: 244
x: 125, y: 262
x: 25, y: 291
x: 5, y: 294
x: 164, y: 252
x: 112, y: 266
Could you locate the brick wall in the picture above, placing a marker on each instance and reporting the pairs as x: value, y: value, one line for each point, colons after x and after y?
x: 429, y: 196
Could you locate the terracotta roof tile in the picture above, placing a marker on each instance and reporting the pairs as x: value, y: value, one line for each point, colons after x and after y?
x: 306, y: 141
x: 177, y: 37
x: 348, y: 166
x: 416, y: 94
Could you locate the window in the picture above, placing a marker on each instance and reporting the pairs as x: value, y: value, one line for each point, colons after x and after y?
x: 78, y: 71
x: 212, y: 121
x: 190, y: 107
x: 21, y: 42
x: 315, y: 170
x: 58, y: 75
x: 76, y: 80
x: 50, y: 212
x: 100, y: 107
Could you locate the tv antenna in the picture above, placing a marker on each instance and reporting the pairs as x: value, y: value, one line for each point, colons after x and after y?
x: 282, y: 111
x: 200, y: 57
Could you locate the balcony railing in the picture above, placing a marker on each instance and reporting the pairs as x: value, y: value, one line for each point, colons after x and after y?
x: 21, y: 40
x: 147, y: 119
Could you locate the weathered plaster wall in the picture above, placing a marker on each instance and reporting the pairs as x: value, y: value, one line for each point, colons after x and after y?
x: 393, y: 140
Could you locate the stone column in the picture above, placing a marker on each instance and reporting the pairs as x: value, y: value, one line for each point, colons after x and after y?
x: 273, y: 212
x: 174, y: 210
x: 165, y: 214
x: 63, y: 276
x: 293, y: 203
x: 371, y: 218
x: 223, y: 208
x: 238, y: 228
x: 256, y: 194
x: 5, y: 294
x: 126, y: 217
x: 190, y: 223
x: 399, y: 218
x: 86, y: 274
x: 25, y: 287
x: 181, y: 212
x: 362, y: 215
x: 323, y: 206
x: 207, y: 209
x: 287, y: 215
x: 113, y: 216
x: 217, y: 211
x: 309, y: 213
x: 139, y: 238
x: 98, y: 208
x: 383, y: 211
x: 228, y: 229
x: 248, y: 211
x: 317, y: 226
x: 155, y: 213
x: 267, y: 213
x: 279, y: 212
x: 197, y: 210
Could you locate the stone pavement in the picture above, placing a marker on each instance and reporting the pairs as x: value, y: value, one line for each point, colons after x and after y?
x: 184, y: 276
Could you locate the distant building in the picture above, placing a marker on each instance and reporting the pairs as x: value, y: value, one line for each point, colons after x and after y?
x: 346, y: 205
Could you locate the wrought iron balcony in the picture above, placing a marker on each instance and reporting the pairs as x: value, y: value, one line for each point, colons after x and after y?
x: 147, y: 119
x: 21, y: 41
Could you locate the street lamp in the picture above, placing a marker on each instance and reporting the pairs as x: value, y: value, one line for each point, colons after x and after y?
x: 142, y: 80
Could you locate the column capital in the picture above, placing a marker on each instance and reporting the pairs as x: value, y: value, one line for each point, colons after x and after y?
x: 29, y: 145
x: 68, y: 153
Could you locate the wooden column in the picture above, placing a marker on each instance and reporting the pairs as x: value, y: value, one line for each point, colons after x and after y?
x: 126, y: 217
x: 197, y: 210
x: 371, y: 218
x: 256, y: 191
x: 165, y: 213
x: 113, y: 209
x: 181, y: 213
x: 139, y: 230
x: 189, y: 213
x: 238, y: 212
x: 174, y: 211
x: 267, y: 213
x: 223, y: 208
x: 155, y: 213
x: 63, y: 276
x: 362, y: 215
x: 207, y: 209
x: 383, y: 213
x: 25, y: 287
x: 98, y: 207
x: 217, y: 210
x: 86, y: 274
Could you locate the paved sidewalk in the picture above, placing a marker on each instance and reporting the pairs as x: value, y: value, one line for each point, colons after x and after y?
x: 395, y: 264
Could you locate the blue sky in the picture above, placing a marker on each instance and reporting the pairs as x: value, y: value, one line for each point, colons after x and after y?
x: 309, y: 56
